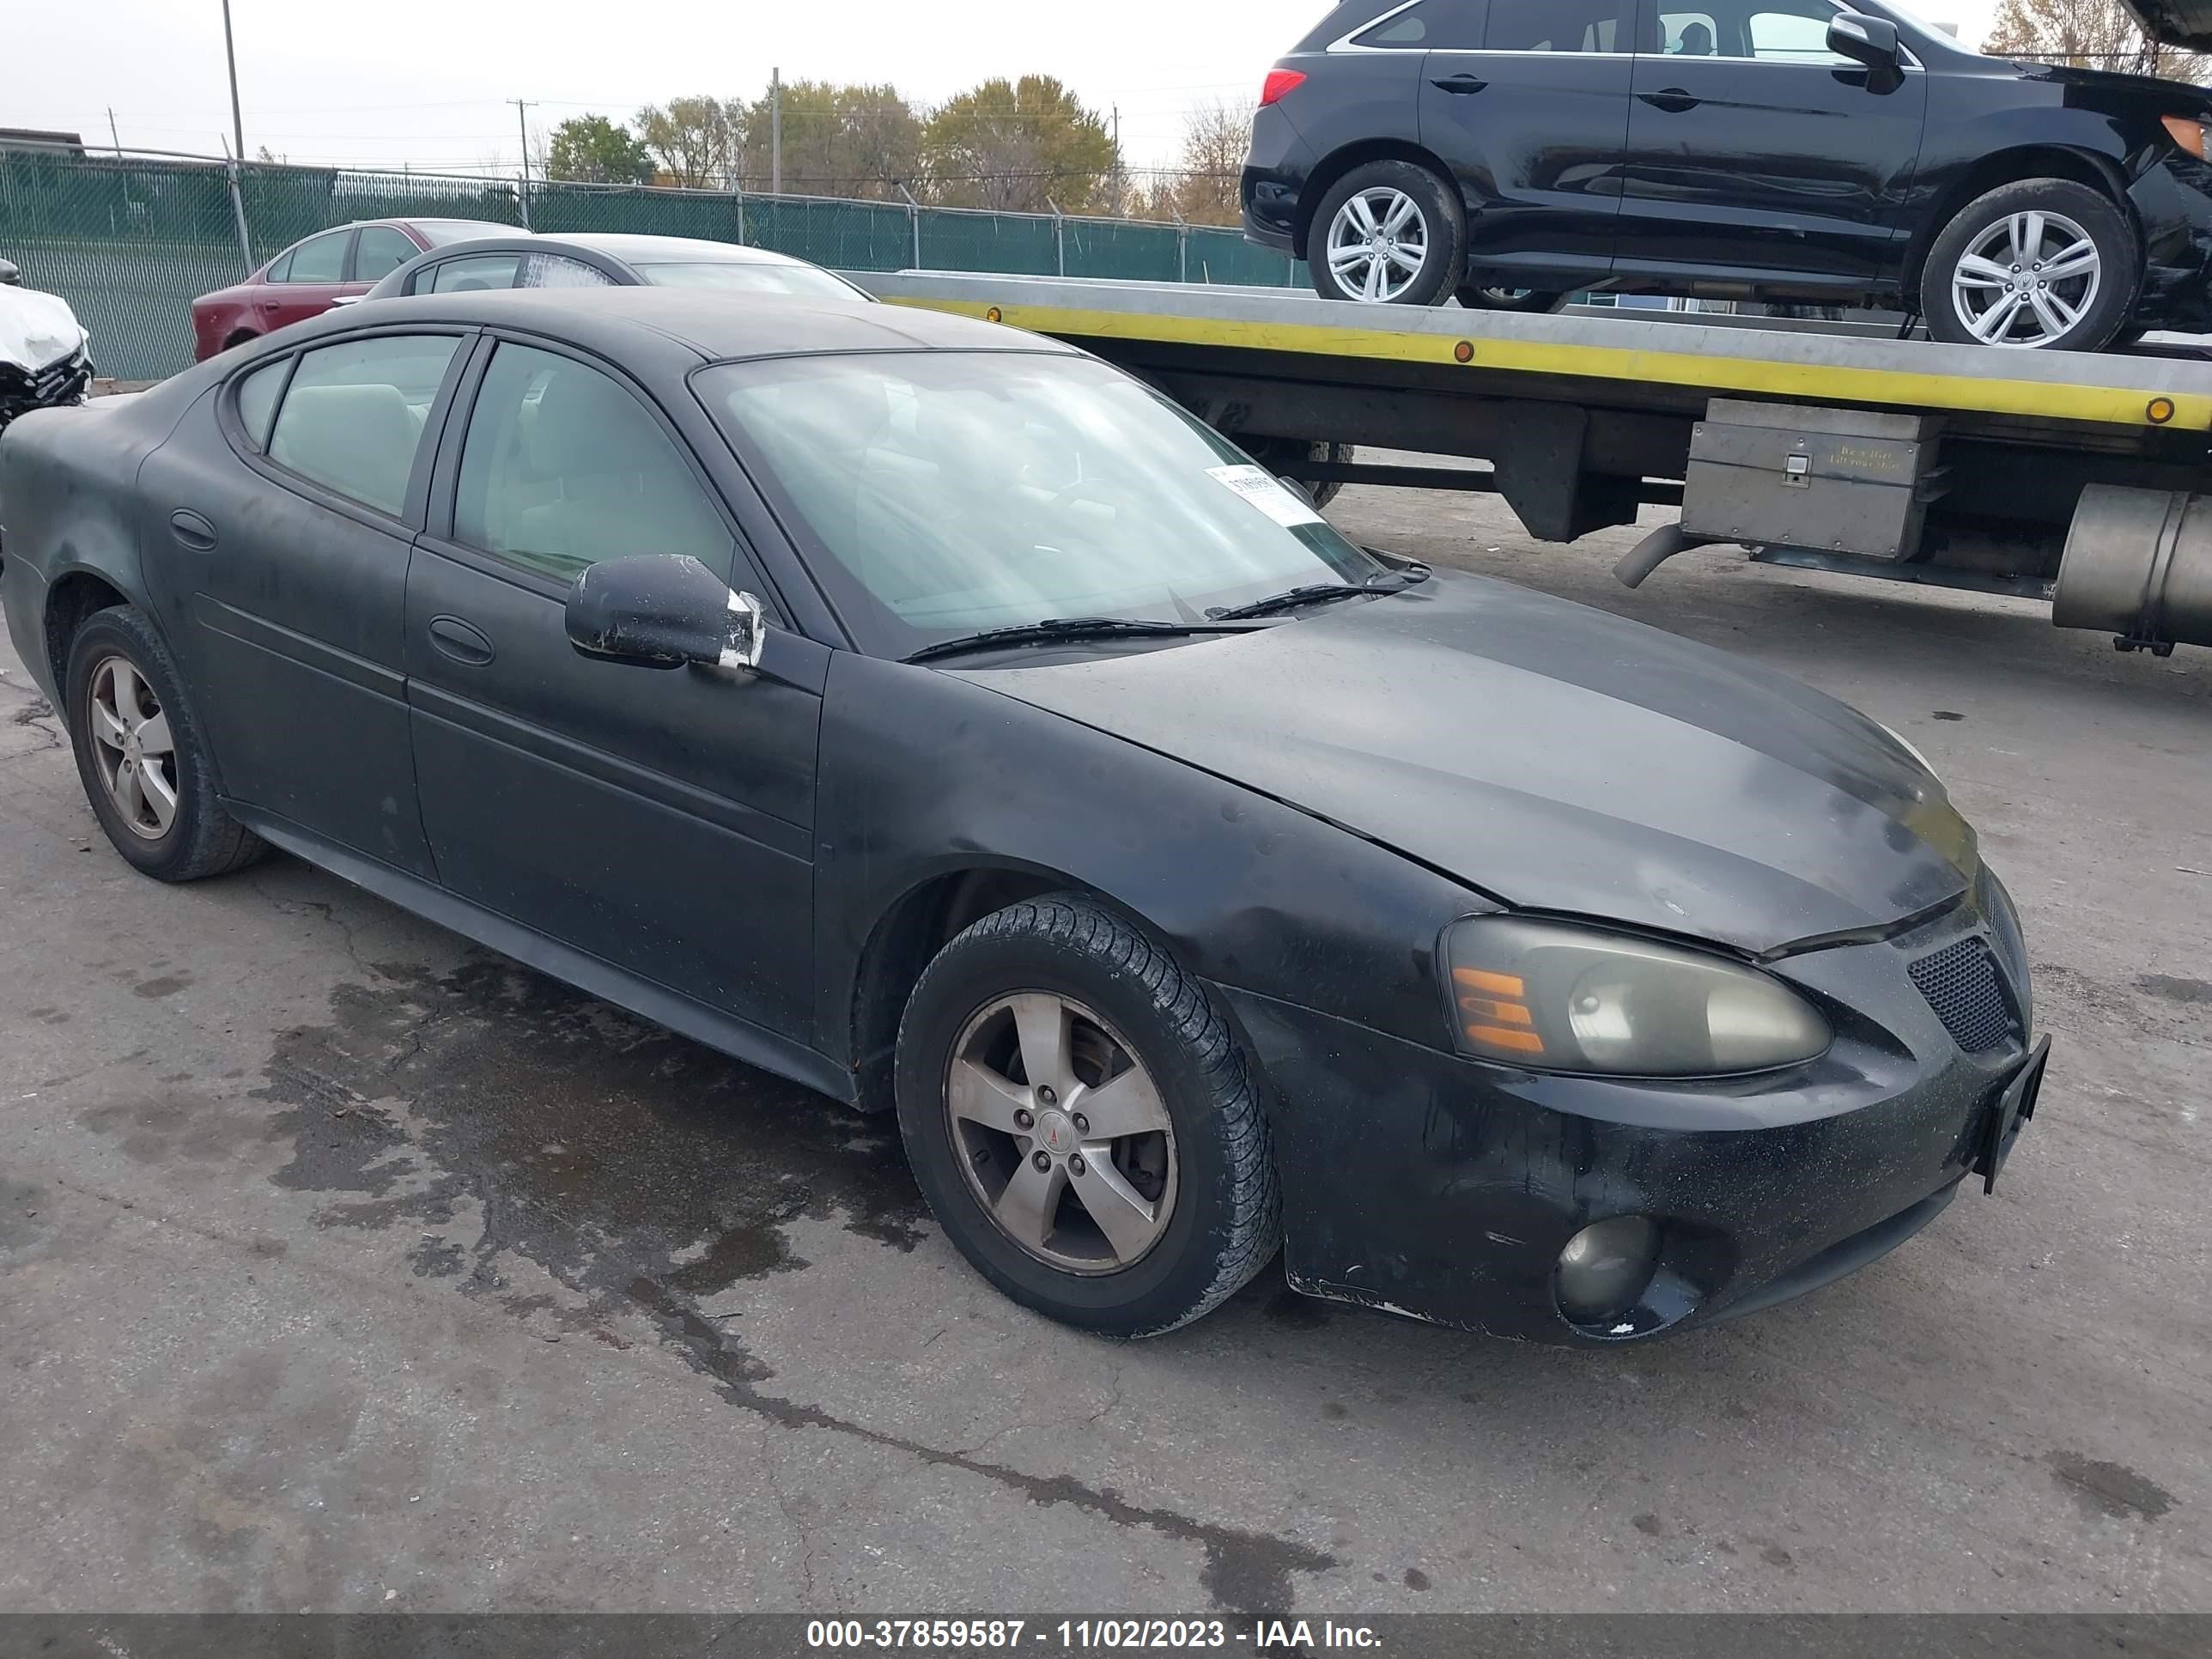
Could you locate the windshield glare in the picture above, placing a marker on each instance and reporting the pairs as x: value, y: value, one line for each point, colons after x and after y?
x: 942, y: 493
x: 751, y: 277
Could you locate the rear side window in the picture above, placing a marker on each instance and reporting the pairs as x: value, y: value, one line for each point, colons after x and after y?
x: 471, y: 272
x: 319, y: 259
x: 257, y: 399
x: 353, y: 417
x: 563, y: 467
x: 1557, y: 25
x: 382, y: 251
x: 1430, y: 26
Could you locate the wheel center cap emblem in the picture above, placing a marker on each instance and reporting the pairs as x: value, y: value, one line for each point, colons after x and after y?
x: 1056, y: 1134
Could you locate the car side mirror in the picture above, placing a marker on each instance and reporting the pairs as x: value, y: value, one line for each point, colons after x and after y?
x: 662, y: 611
x: 1871, y: 42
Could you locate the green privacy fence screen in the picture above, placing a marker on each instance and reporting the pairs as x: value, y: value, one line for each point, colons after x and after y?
x: 128, y: 241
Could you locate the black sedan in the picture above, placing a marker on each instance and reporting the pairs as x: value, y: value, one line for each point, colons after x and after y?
x: 1514, y: 150
x: 935, y: 715
x: 589, y: 260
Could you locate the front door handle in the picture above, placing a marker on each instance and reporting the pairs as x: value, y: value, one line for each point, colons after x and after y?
x: 460, y: 640
x: 1672, y: 100
x: 192, y: 530
x: 1460, y: 83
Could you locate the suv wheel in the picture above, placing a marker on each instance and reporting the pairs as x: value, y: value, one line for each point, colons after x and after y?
x: 2045, y: 263
x: 139, y: 755
x: 1083, y: 1122
x: 1390, y: 233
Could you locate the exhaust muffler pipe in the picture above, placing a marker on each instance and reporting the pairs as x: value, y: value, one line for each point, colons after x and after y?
x: 2138, y: 565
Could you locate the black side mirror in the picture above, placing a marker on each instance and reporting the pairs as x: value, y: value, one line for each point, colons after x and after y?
x: 662, y: 611
x: 1871, y: 42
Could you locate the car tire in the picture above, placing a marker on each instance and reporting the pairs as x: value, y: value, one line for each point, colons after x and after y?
x: 1434, y: 227
x: 2081, y: 229
x: 1188, y: 1199
x: 1524, y: 301
x: 140, y: 756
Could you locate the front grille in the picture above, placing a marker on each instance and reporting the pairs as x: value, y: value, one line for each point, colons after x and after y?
x: 1961, y: 984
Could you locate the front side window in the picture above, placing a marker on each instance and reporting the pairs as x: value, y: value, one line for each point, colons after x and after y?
x: 563, y: 467
x: 940, y: 493
x: 1556, y: 26
x: 1688, y: 34
x: 352, y: 419
x: 382, y: 251
x: 471, y: 272
x: 1432, y: 26
x: 1782, y: 31
x: 319, y: 259
x: 552, y: 270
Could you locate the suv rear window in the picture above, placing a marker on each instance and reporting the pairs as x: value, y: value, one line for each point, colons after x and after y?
x: 1429, y: 26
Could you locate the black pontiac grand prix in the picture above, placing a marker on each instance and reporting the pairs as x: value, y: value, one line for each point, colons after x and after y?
x: 939, y: 717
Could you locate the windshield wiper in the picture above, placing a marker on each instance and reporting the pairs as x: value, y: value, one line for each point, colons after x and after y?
x: 1389, y: 582
x: 1072, y: 628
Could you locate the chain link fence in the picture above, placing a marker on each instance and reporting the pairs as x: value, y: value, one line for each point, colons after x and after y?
x: 131, y: 240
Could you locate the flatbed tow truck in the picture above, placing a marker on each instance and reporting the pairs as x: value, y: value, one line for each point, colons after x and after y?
x: 2069, y: 478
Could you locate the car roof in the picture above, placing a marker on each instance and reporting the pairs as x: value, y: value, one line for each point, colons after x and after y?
x: 714, y: 325
x: 637, y: 248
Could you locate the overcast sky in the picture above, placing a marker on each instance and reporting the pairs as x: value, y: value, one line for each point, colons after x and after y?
x: 424, y: 81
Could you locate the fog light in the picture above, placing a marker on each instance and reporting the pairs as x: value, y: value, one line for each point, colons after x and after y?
x: 1605, y: 1267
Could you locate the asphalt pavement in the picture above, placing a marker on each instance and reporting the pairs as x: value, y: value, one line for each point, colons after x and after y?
x: 346, y: 1267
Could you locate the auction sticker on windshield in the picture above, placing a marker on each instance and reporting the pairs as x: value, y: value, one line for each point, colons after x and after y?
x: 1265, y: 491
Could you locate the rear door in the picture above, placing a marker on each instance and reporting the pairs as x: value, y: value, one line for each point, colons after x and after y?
x: 307, y: 281
x: 661, y: 821
x: 1755, y: 152
x: 284, y: 509
x: 1534, y: 122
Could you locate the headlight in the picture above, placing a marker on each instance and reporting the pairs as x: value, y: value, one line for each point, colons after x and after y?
x: 1555, y: 997
x: 2187, y: 132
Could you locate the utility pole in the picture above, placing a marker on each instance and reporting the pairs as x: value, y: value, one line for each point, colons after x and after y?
x: 1121, y: 183
x: 522, y: 125
x: 112, y: 132
x: 775, y: 132
x: 230, y: 55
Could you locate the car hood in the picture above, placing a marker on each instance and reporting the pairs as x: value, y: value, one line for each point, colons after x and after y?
x: 1552, y: 756
x: 37, y: 329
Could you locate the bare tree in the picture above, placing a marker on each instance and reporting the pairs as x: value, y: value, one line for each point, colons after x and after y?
x: 2085, y: 35
x: 694, y: 139
x: 1203, y: 188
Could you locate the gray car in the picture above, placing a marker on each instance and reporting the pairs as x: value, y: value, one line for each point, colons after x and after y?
x: 523, y: 260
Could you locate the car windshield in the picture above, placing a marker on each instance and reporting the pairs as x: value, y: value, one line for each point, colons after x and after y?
x: 443, y: 233
x: 750, y: 276
x: 942, y: 493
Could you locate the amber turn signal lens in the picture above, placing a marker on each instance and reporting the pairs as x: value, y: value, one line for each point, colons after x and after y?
x: 1493, y: 1016
x: 2187, y: 132
x: 2161, y: 411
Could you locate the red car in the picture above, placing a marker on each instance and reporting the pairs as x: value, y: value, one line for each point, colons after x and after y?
x: 310, y: 276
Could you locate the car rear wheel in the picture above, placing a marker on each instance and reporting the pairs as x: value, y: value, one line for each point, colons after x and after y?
x: 1528, y: 301
x: 139, y: 754
x: 1390, y: 233
x: 1082, y: 1122
x: 2043, y: 265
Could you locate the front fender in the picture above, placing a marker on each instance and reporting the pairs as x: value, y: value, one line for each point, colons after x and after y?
x: 926, y: 773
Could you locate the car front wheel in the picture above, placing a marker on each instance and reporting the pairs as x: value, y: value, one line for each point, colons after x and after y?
x: 2045, y: 263
x: 1527, y: 302
x: 1082, y: 1121
x: 1389, y: 233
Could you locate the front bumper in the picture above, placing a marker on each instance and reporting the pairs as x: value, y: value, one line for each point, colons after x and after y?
x: 2173, y: 204
x: 1423, y: 1183
x: 60, y: 382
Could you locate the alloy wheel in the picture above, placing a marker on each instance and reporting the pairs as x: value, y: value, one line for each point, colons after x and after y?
x: 2027, y: 280
x: 1062, y: 1134
x: 1377, y: 245
x: 133, y: 750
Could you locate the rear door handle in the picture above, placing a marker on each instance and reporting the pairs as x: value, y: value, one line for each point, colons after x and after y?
x: 460, y: 640
x: 1672, y: 100
x: 192, y: 530
x: 1460, y: 83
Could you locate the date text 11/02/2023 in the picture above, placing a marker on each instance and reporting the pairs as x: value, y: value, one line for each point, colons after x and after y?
x: 1262, y: 1636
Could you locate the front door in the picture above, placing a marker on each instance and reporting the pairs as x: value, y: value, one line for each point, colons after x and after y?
x: 660, y: 820
x: 1535, y: 125
x: 1756, y: 152
x: 284, y: 511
